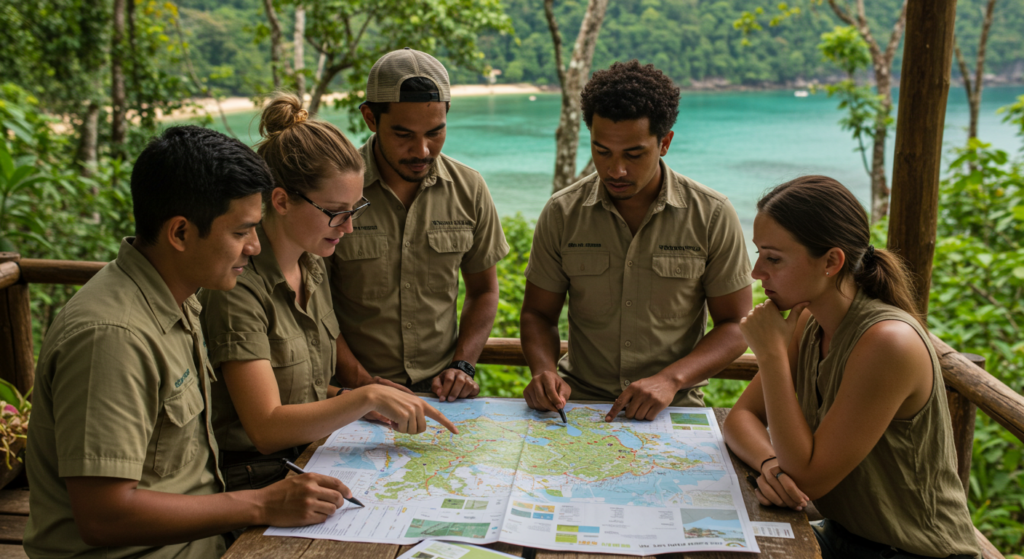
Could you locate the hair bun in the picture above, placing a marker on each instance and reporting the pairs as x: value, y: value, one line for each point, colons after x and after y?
x: 283, y: 110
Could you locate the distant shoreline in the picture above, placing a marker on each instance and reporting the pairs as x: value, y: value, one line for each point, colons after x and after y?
x: 231, y: 105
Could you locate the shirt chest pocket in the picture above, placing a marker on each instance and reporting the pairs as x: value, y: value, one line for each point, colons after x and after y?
x: 446, y: 250
x: 676, y: 289
x: 362, y: 266
x: 589, y: 283
x: 289, y: 358
x: 179, y: 430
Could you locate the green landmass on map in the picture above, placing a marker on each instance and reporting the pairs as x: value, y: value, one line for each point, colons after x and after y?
x: 481, y: 441
x: 596, y: 453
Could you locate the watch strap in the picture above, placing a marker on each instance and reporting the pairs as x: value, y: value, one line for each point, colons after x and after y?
x: 465, y: 367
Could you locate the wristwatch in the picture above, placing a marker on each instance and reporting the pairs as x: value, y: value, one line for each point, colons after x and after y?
x: 465, y: 367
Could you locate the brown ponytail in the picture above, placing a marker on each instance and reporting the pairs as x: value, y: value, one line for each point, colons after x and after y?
x: 823, y: 214
x: 300, y: 151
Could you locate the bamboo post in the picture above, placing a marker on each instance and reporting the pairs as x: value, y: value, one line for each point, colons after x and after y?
x: 924, y: 87
x: 17, y: 358
x: 961, y: 415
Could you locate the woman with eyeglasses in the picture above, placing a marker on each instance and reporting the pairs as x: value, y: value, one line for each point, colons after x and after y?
x: 273, y: 338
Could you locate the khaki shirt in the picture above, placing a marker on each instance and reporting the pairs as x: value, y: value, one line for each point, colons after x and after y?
x: 636, y: 303
x: 395, y: 278
x: 259, y: 319
x: 121, y: 391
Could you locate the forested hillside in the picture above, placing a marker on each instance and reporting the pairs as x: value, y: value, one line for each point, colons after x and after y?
x: 694, y: 41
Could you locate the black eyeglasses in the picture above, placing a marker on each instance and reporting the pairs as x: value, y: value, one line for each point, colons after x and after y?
x: 337, y: 219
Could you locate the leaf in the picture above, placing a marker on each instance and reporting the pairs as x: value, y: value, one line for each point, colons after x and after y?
x: 6, y: 163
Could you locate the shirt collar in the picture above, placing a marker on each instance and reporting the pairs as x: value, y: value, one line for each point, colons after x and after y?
x: 670, y: 191
x: 439, y: 170
x: 265, y: 263
x: 153, y: 287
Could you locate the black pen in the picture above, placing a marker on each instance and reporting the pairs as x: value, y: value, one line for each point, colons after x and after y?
x: 561, y: 412
x: 288, y: 464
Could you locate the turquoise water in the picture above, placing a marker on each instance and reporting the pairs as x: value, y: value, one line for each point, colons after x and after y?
x: 738, y: 143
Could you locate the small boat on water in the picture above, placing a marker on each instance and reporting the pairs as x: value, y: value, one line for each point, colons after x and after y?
x: 801, y: 93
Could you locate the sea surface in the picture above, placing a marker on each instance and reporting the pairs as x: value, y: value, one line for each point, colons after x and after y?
x: 738, y: 143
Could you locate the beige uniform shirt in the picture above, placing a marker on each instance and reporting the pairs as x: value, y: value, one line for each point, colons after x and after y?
x: 636, y: 302
x: 259, y: 319
x: 121, y: 391
x: 395, y: 278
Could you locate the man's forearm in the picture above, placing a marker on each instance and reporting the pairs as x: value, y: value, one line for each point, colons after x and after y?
x: 541, y: 344
x: 475, y: 325
x: 720, y: 347
x: 156, y: 518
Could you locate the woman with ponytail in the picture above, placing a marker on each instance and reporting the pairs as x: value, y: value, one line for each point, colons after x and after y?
x: 849, y: 386
x: 273, y: 338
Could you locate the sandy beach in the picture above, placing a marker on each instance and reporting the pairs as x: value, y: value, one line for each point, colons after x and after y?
x: 241, y: 104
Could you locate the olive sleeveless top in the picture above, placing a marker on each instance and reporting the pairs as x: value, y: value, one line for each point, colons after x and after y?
x: 906, y: 492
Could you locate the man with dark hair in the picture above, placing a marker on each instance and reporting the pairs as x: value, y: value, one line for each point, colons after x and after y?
x: 395, y: 278
x: 644, y: 254
x: 124, y: 463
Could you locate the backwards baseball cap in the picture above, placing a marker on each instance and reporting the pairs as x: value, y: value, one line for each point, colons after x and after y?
x: 387, y: 75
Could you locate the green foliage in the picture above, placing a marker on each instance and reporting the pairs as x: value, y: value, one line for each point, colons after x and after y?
x: 975, y: 305
x: 49, y: 212
x: 863, y: 108
x: 1014, y: 114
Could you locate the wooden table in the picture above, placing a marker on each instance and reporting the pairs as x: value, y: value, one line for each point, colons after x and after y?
x: 254, y: 545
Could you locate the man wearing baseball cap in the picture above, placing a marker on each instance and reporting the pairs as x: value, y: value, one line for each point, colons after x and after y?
x: 395, y: 278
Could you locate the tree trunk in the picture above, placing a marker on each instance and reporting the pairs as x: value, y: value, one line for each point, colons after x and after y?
x: 974, y: 89
x: 881, y: 63
x: 321, y: 86
x: 117, y: 94
x: 86, y: 156
x: 275, y: 43
x: 879, y: 184
x: 300, y: 62
x: 927, y: 59
x: 573, y: 78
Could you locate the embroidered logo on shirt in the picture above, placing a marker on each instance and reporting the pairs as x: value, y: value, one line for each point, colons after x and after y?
x: 684, y: 247
x: 177, y: 383
x: 365, y: 228
x: 584, y: 245
x: 455, y: 222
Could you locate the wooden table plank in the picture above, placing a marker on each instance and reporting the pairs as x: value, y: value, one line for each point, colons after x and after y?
x: 803, y: 546
x: 253, y: 545
x: 12, y: 528
x: 14, y: 502
x: 10, y: 551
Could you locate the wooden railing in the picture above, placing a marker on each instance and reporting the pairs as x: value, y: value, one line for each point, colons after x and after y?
x: 968, y: 385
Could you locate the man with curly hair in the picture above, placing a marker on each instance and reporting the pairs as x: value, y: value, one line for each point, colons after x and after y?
x: 644, y: 254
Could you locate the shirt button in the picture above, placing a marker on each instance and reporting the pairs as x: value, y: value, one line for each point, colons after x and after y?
x: 408, y: 325
x: 408, y: 285
x: 315, y: 341
x: 408, y: 364
x: 629, y: 303
x: 629, y: 263
x: 628, y: 343
x: 360, y: 253
x: 678, y: 270
x: 625, y: 383
x: 407, y: 243
x: 319, y: 382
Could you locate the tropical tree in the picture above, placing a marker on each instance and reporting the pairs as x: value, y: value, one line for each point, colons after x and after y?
x: 350, y: 35
x: 572, y: 80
